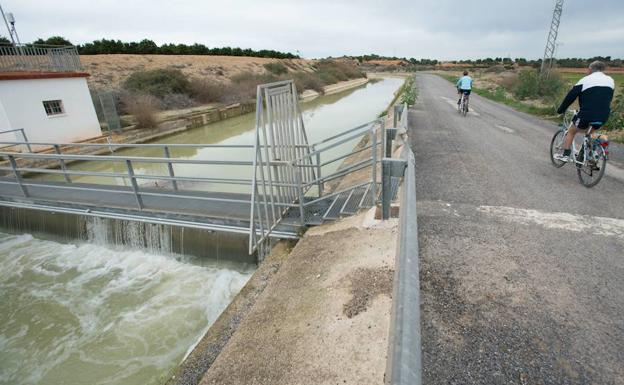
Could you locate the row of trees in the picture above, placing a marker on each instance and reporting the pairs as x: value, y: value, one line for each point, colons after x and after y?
x: 563, y: 62
x: 147, y: 47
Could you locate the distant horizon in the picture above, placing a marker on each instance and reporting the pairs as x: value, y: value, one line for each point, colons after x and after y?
x: 323, y: 28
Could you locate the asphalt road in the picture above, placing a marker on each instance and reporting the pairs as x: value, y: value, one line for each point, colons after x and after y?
x: 522, y: 267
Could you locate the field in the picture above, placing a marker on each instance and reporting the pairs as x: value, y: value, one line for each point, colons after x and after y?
x: 574, y: 75
x: 109, y: 71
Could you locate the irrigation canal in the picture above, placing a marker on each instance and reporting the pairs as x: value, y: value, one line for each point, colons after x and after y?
x: 113, y: 311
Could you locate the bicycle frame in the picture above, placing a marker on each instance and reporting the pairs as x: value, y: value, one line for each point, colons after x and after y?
x: 586, y: 146
x: 463, y: 103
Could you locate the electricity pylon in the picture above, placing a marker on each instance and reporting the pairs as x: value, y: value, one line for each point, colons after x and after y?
x: 551, y: 43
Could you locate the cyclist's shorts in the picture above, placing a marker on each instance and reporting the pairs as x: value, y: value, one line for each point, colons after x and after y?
x: 582, y: 124
x: 465, y: 92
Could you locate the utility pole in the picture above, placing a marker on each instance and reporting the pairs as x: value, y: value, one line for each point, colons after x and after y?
x: 7, y: 25
x: 551, y: 43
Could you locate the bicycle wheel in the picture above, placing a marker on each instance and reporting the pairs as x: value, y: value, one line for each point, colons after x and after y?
x: 465, y: 111
x: 556, y: 146
x: 591, y: 172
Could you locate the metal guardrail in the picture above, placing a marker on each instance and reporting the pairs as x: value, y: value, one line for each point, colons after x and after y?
x: 404, y: 362
x: 39, y: 58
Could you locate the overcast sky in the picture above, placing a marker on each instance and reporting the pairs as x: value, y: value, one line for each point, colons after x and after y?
x: 441, y: 29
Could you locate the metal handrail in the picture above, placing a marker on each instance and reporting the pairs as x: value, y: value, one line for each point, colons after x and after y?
x: 123, y: 145
x: 25, y: 139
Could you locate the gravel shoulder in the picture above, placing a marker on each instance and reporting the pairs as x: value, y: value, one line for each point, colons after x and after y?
x: 521, y: 266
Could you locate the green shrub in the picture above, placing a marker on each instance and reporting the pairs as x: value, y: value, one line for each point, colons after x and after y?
x: 208, y: 91
x: 158, y: 82
x: 531, y: 85
x: 616, y: 120
x: 409, y: 92
x: 332, y: 71
x: 308, y: 81
x: 276, y: 68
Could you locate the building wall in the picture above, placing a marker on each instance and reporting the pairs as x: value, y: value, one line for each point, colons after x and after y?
x: 22, y: 100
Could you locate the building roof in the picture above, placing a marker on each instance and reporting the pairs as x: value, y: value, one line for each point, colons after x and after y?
x: 40, y: 75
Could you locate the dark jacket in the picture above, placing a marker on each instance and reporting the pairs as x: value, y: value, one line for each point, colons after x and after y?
x: 595, y: 93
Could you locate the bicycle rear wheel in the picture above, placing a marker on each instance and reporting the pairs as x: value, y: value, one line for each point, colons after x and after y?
x: 556, y: 146
x: 594, y: 168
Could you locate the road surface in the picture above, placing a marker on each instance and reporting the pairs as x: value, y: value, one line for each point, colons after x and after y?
x: 522, y: 267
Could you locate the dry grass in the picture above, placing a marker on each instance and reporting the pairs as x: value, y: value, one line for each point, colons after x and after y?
x: 143, y: 107
x: 110, y: 71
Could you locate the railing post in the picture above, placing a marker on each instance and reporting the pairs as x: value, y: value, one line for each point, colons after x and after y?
x: 318, y: 174
x: 135, y: 186
x: 395, y: 116
x: 18, y: 175
x: 390, y: 167
x: 57, y: 149
x: 26, y: 140
x: 170, y: 167
x: 374, y: 164
x: 301, y: 196
x: 389, y: 138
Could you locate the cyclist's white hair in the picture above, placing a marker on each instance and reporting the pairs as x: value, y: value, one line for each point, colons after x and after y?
x: 597, y: 66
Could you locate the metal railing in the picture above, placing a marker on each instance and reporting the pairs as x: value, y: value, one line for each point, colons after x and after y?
x: 303, y: 170
x: 39, y: 58
x: 280, y: 139
x: 24, y: 140
x: 404, y: 362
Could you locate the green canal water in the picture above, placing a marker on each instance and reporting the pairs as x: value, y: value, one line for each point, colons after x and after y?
x: 91, y: 313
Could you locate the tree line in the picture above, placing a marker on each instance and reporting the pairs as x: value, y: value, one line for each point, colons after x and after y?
x: 149, y: 47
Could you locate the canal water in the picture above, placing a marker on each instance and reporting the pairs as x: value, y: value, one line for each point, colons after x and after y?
x: 323, y: 117
x: 91, y: 313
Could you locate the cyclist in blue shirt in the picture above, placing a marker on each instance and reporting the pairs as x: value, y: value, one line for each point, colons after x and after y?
x: 464, y: 86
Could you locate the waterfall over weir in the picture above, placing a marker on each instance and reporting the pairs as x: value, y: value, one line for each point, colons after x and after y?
x: 152, y: 238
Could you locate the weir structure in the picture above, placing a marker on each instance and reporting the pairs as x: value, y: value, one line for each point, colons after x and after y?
x: 273, y: 188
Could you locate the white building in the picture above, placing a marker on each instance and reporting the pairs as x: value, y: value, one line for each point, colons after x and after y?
x: 51, y: 106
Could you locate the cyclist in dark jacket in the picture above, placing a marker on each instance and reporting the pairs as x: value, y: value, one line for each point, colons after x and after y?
x: 594, y: 92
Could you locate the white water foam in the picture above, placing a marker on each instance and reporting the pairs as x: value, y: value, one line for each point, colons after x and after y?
x: 91, y: 314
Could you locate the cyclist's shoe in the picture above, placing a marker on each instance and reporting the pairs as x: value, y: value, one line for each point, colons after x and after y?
x: 564, y: 158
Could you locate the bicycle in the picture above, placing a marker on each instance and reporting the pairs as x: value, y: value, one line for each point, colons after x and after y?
x: 590, y: 159
x: 462, y: 107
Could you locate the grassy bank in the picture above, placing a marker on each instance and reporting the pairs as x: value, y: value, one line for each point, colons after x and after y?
x: 499, y: 88
x: 501, y: 96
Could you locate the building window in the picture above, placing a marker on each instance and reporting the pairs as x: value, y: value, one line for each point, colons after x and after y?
x: 53, y: 107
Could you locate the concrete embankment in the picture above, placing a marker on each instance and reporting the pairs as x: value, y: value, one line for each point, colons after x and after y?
x: 319, y: 314
x: 325, y: 315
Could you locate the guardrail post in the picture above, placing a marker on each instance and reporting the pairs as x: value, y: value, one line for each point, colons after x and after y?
x: 389, y: 137
x: 26, y: 140
x: 301, y: 196
x: 374, y: 165
x: 170, y: 167
x: 390, y: 167
x: 135, y: 186
x: 18, y: 175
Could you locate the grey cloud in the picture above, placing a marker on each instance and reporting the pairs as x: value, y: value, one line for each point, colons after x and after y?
x: 443, y: 29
